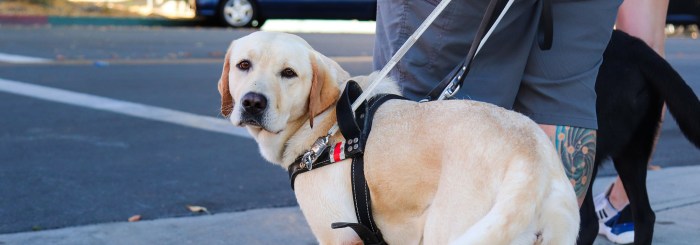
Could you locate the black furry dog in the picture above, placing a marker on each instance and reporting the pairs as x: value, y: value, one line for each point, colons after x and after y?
x: 632, y: 86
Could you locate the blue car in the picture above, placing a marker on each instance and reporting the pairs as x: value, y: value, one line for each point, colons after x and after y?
x: 253, y: 13
x: 683, y: 12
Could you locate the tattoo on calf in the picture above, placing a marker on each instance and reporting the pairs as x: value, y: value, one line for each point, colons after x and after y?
x: 576, y: 147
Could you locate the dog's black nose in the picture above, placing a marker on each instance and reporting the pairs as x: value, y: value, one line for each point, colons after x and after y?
x: 254, y: 103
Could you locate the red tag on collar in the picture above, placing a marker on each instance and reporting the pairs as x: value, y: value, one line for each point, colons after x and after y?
x: 338, y: 153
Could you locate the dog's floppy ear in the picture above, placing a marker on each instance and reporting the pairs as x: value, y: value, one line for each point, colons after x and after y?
x: 324, y: 84
x: 226, y: 99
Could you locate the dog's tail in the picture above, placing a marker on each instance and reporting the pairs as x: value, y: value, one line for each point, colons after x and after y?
x: 679, y: 97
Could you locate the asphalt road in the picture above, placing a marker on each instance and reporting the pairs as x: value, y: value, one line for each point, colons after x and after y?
x: 69, y: 164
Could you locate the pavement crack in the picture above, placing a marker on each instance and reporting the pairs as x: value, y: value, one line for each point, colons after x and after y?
x: 678, y: 206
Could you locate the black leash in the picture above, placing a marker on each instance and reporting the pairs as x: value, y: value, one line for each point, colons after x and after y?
x: 449, y: 85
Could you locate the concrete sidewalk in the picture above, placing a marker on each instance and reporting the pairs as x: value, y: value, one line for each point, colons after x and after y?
x: 675, y: 196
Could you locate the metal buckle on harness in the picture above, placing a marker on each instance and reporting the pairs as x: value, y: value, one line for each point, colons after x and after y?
x: 456, y: 78
x: 451, y: 89
x: 311, y: 155
x: 449, y: 92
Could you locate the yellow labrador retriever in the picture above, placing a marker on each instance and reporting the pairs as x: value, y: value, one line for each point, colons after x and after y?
x: 446, y: 172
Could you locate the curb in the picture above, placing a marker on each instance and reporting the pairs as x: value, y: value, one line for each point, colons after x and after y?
x: 94, y: 21
x: 258, y: 226
x: 23, y: 20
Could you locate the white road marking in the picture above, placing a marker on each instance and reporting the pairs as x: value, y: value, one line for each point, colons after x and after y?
x: 321, y: 26
x: 212, y: 124
x: 21, y: 59
x: 15, y: 62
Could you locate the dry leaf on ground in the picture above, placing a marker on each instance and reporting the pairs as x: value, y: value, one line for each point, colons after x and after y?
x: 135, y: 218
x: 197, y: 209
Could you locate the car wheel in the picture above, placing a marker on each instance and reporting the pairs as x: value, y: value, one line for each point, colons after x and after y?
x: 240, y: 13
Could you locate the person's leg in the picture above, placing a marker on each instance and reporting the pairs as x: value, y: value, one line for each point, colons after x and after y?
x: 576, y: 147
x: 617, y: 195
x: 644, y: 19
x: 558, y: 88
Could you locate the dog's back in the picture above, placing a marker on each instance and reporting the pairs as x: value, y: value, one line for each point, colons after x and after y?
x: 458, y: 187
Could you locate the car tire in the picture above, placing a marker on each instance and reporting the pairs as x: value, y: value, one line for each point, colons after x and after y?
x: 240, y: 13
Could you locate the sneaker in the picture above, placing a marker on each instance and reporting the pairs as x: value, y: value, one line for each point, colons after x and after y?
x: 619, y: 228
x: 603, y: 209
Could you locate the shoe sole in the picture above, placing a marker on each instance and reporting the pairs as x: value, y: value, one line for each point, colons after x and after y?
x: 624, y: 238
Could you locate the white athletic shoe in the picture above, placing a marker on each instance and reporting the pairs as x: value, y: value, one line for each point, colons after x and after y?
x: 603, y: 209
x: 617, y: 227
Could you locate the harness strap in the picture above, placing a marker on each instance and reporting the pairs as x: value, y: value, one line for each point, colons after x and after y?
x: 363, y: 202
x: 299, y: 166
x: 374, y: 104
x: 366, y: 228
x: 356, y: 131
x: 339, y: 151
x: 367, y: 236
x: 349, y: 121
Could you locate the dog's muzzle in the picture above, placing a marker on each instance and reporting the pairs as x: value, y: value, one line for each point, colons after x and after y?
x: 254, y: 105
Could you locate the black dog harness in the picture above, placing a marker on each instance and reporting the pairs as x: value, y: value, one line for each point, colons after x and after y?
x: 355, y: 127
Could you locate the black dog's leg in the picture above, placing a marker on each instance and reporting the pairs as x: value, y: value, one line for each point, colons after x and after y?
x: 631, y: 165
x: 633, y: 172
x: 588, y: 230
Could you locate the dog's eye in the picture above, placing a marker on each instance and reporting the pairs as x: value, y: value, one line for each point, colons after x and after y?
x: 243, y: 65
x: 288, y: 73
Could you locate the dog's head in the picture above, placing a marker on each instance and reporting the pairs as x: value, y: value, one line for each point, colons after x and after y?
x: 270, y: 79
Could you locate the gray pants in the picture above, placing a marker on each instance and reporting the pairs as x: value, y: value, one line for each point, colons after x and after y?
x: 553, y: 87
